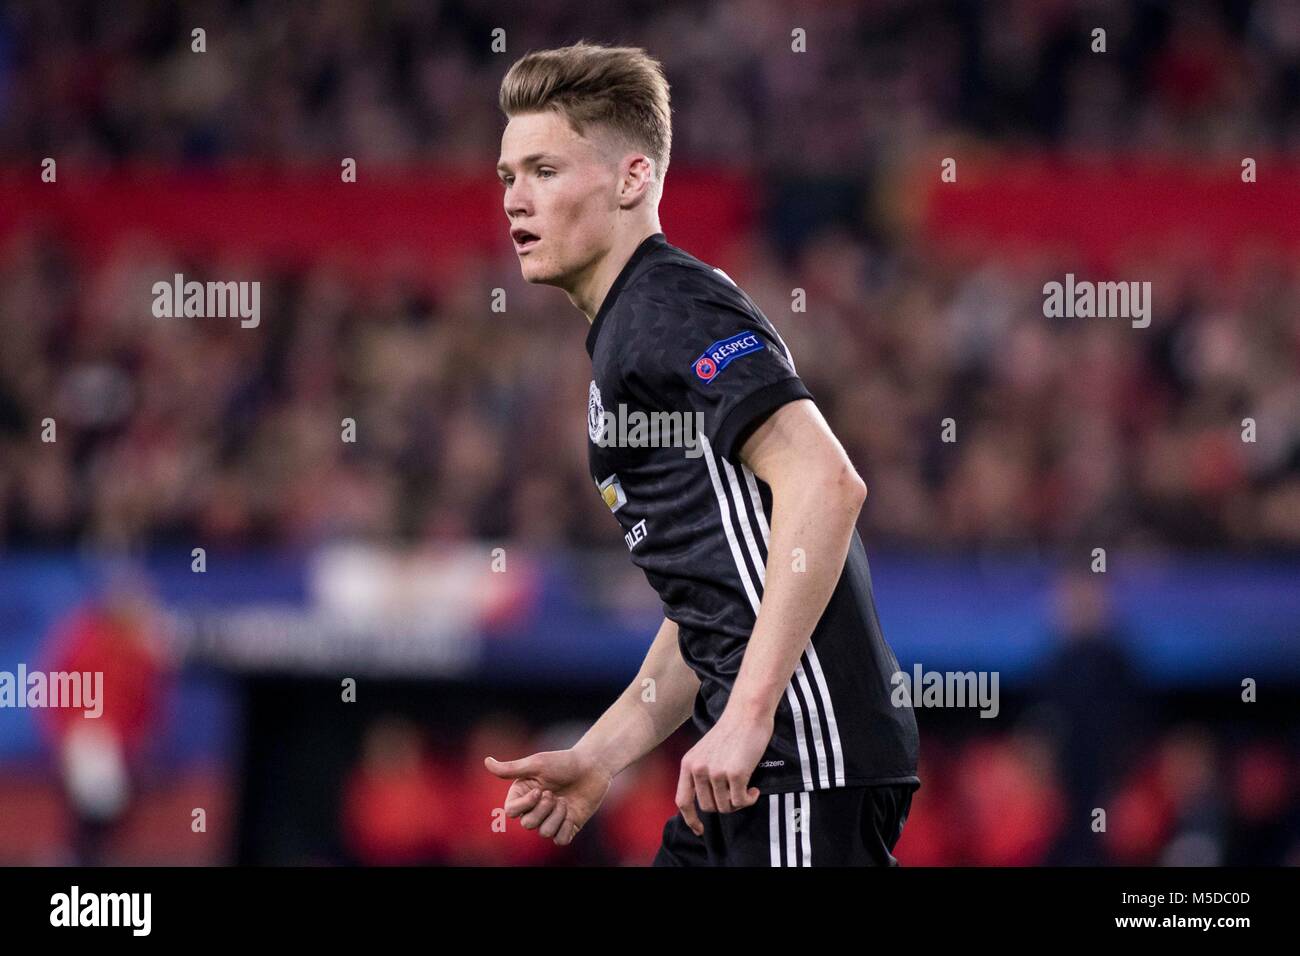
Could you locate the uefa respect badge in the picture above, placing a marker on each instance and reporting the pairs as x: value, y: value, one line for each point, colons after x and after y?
x: 722, y: 352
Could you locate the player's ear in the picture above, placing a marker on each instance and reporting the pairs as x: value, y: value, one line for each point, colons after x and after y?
x: 637, y: 179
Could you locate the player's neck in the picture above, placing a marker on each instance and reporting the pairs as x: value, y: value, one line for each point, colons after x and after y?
x: 589, y: 293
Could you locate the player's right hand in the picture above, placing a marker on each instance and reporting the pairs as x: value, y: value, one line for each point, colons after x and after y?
x: 554, y: 792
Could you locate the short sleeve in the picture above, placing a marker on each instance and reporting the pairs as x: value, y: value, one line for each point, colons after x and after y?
x: 697, y: 343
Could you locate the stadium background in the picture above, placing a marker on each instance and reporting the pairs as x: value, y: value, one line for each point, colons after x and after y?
x: 818, y: 171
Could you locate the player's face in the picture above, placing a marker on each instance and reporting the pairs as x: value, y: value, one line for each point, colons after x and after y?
x: 560, y: 197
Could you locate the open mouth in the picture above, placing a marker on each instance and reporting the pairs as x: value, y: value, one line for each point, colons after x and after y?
x: 524, y: 240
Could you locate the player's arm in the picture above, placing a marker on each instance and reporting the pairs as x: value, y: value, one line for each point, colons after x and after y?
x: 816, y: 497
x: 657, y: 702
x: 557, y: 791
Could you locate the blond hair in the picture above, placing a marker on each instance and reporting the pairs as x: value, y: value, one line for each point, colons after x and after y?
x: 622, y: 88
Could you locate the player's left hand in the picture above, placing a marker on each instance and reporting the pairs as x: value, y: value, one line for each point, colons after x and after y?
x: 716, y: 770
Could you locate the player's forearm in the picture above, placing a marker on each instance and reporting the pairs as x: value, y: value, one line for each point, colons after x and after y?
x: 814, y: 513
x: 655, y: 704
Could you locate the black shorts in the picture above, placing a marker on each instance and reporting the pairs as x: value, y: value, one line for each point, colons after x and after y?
x: 845, y: 826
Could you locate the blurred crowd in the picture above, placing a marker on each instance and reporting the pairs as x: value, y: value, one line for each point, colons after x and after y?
x: 407, y: 80
x: 470, y: 424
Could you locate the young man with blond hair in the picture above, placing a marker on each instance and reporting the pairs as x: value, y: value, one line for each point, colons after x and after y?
x: 770, y: 638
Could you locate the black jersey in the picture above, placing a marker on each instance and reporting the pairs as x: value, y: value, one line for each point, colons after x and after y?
x: 684, y: 366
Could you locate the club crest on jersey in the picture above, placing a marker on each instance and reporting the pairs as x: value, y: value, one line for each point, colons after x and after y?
x: 595, y: 413
x: 721, y: 353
